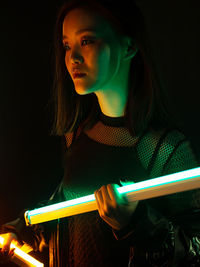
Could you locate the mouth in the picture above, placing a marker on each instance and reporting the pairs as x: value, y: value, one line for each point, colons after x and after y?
x: 78, y: 75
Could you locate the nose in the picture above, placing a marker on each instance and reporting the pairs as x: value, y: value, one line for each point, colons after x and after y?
x: 76, y: 57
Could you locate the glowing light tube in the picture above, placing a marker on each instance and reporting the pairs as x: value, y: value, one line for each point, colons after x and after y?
x: 25, y: 259
x: 164, y: 185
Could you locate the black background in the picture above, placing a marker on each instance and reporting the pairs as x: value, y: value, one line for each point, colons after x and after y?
x: 30, y: 165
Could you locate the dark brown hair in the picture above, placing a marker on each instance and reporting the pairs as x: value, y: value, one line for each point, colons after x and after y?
x: 146, y: 100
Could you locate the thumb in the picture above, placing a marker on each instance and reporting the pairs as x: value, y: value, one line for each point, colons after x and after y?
x: 8, y: 238
x: 124, y: 183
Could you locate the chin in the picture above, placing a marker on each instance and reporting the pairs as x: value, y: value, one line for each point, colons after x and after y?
x: 82, y: 91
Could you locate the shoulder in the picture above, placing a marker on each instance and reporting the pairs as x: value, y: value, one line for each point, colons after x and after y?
x: 173, y: 137
x: 167, y: 136
x: 169, y: 141
x: 174, y: 153
x: 156, y: 147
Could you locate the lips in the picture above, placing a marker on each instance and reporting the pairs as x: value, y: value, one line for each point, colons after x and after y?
x: 78, y: 75
x: 77, y: 72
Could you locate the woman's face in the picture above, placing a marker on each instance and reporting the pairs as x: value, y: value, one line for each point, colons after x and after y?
x: 92, y: 48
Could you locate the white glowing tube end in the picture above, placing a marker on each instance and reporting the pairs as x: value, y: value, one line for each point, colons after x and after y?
x: 26, y: 218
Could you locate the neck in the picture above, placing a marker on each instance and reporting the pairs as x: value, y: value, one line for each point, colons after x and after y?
x: 112, y: 103
x: 113, y: 96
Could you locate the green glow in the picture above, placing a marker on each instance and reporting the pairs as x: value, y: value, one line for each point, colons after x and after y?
x: 167, y: 179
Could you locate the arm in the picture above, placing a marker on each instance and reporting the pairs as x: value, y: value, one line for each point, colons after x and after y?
x: 37, y: 236
x: 181, y: 158
x: 155, y: 223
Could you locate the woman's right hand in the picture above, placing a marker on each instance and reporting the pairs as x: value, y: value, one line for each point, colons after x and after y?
x: 6, y: 253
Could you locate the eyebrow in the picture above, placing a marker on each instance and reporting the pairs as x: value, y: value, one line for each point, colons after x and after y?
x: 79, y: 32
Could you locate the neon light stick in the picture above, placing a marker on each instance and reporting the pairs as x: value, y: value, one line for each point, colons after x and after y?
x: 164, y: 185
x: 22, y: 256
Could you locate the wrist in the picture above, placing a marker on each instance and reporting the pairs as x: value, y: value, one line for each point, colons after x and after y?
x: 135, y: 218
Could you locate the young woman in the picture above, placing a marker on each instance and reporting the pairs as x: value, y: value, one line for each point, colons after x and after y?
x: 110, y: 108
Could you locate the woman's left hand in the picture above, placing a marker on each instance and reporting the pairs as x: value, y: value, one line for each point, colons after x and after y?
x: 114, y: 208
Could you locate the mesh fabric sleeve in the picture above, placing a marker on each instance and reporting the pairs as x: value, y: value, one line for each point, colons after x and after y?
x: 178, y: 227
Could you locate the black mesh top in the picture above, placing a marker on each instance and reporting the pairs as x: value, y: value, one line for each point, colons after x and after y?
x: 106, y: 154
x: 163, y: 231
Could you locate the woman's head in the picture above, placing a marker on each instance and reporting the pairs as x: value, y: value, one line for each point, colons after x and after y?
x: 115, y: 47
x: 94, y: 48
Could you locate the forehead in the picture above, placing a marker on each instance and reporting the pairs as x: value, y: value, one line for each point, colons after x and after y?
x: 83, y: 18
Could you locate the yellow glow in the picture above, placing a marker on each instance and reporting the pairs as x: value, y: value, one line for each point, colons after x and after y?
x: 65, y: 211
x: 30, y: 261
x: 165, y: 185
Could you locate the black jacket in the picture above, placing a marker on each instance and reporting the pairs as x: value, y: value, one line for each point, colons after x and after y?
x: 156, y: 236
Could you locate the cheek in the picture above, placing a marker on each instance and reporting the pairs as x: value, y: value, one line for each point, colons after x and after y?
x: 67, y: 62
x: 101, y: 61
x: 114, y: 59
x: 108, y: 62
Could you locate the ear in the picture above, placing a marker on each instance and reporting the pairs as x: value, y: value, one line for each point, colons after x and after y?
x: 130, y: 49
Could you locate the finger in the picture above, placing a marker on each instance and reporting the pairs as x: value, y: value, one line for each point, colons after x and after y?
x: 8, y: 238
x: 5, y: 249
x: 105, y: 194
x: 99, y: 196
x: 12, y: 253
x: 125, y: 183
x: 119, y: 198
x: 112, y: 188
x: 113, y: 193
x: 98, y: 201
x: 96, y: 197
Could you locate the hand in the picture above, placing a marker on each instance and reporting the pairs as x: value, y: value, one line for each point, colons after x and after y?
x: 113, y: 207
x: 6, y: 253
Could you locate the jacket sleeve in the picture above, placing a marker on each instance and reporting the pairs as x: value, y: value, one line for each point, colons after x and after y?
x: 38, y: 235
x: 171, y: 222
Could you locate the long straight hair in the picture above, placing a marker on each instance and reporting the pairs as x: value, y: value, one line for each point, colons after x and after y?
x: 146, y: 105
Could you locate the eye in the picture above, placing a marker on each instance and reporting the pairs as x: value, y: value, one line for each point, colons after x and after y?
x: 66, y: 47
x: 83, y: 42
x: 87, y: 41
